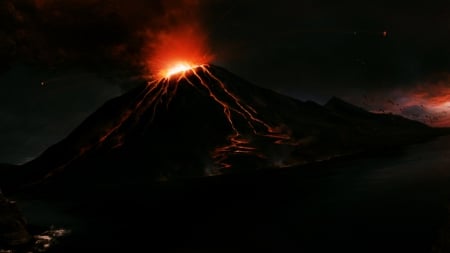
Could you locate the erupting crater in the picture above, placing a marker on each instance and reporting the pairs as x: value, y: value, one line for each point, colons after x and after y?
x: 177, y: 68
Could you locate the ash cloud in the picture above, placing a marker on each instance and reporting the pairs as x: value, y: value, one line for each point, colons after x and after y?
x: 91, y: 33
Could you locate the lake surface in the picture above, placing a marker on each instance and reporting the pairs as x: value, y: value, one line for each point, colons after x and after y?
x: 393, y: 202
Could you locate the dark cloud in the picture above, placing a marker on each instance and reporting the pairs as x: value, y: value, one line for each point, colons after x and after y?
x: 92, y: 33
x: 334, y: 46
x: 325, y: 43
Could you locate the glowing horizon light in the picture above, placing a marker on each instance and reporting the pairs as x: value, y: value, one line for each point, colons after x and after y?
x: 177, y: 68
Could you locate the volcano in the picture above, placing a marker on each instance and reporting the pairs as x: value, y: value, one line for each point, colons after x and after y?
x: 205, y: 121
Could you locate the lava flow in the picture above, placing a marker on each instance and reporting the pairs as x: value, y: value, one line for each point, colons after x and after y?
x: 162, y: 91
x: 245, y: 124
x: 165, y: 89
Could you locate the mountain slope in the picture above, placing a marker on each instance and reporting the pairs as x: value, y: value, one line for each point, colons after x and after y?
x: 379, y: 129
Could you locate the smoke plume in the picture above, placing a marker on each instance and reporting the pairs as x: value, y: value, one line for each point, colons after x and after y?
x: 95, y: 33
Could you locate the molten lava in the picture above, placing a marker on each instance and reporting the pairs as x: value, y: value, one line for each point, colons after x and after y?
x: 176, y: 50
x: 177, y: 68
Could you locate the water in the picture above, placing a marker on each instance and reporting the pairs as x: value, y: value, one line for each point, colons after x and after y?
x: 395, y: 202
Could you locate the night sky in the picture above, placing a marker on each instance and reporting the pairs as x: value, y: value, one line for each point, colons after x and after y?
x: 62, y: 59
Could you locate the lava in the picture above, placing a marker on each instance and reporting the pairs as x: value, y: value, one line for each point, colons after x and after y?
x: 177, y: 68
x: 176, y: 50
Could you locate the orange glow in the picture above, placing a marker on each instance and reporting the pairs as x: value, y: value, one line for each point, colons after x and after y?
x: 178, y: 68
x: 176, y: 50
x: 428, y: 102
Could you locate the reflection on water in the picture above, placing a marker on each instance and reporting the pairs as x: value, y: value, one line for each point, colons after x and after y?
x: 378, y: 203
x: 47, y: 239
x: 44, y: 241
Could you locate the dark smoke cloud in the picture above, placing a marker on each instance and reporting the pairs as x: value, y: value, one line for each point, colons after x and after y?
x: 329, y: 47
x: 94, y: 33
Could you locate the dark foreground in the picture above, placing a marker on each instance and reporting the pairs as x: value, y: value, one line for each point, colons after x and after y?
x: 392, y: 202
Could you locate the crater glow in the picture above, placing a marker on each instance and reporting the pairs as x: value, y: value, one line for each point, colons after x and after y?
x: 177, y: 68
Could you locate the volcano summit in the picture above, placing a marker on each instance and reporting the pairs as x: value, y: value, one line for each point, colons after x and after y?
x: 205, y: 120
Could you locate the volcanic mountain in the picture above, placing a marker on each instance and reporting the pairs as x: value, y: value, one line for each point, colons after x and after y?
x: 207, y: 121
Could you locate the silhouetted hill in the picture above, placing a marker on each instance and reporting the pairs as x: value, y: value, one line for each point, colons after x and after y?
x: 382, y: 129
x: 353, y: 112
